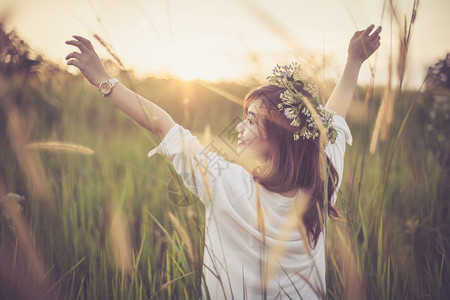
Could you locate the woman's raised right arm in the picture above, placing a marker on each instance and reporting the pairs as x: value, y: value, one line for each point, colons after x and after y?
x: 141, y: 110
x: 362, y: 45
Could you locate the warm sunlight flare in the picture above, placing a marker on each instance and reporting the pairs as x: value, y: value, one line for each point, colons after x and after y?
x: 182, y: 57
x: 190, y: 59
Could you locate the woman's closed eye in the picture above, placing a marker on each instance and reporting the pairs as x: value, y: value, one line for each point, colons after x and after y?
x: 249, y: 120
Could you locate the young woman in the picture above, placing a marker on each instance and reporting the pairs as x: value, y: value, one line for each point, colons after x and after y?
x: 264, y: 228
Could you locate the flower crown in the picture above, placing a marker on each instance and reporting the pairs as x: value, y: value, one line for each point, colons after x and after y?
x: 295, y: 104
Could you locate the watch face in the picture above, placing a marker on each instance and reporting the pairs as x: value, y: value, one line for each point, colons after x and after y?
x: 105, y: 88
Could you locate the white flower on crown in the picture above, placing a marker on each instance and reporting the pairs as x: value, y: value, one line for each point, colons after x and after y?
x: 288, y: 113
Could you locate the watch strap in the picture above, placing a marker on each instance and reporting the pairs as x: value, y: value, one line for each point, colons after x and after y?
x: 113, y: 81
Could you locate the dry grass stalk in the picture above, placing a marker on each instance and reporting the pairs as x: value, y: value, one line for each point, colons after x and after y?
x: 11, y: 208
x: 121, y: 242
x: 404, y: 38
x: 386, y: 111
x: 169, y: 283
x: 59, y: 146
x: 182, y: 232
x: 202, y: 166
x: 148, y: 19
x: 293, y: 221
x: 383, y: 122
x: 323, y: 136
x: 29, y: 164
x: 260, y: 213
x: 376, y: 130
x: 301, y: 205
x: 222, y: 93
x: 263, y: 256
x: 346, y: 262
x: 17, y: 280
x: 206, y: 137
x: 110, y: 50
x: 384, y: 117
x: 323, y: 133
x: 358, y: 112
x: 273, y: 24
x: 388, y: 115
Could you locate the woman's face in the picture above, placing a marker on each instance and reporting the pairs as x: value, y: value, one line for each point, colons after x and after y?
x: 252, y: 142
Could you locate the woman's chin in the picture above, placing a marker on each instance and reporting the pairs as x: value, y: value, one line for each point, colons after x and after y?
x: 239, y: 149
x: 248, y: 154
x: 243, y: 152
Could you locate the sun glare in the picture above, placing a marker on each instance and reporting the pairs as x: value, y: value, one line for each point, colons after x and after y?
x: 197, y: 58
x: 185, y: 58
x: 186, y: 63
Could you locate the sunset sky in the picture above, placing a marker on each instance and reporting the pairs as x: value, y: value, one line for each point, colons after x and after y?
x: 228, y: 39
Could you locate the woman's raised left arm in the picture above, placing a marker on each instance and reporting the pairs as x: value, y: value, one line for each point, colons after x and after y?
x: 143, y: 111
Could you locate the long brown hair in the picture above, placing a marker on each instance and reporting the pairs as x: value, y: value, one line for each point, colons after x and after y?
x: 293, y: 164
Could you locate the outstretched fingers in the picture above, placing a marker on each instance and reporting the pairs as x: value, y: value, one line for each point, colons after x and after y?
x: 81, y: 43
x: 375, y: 34
x: 368, y: 30
x: 371, y: 39
x: 85, y: 42
x: 78, y: 44
x: 85, y: 47
x: 364, y: 43
x: 86, y: 60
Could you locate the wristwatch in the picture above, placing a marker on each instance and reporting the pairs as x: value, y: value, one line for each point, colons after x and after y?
x: 106, y: 86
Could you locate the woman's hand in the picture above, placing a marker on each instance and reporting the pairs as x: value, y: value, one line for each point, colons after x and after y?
x: 87, y: 61
x: 363, y: 44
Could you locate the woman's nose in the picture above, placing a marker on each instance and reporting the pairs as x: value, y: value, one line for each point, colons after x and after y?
x: 240, y: 127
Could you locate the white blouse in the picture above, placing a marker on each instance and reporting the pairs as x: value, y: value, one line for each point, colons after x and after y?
x: 245, y: 257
